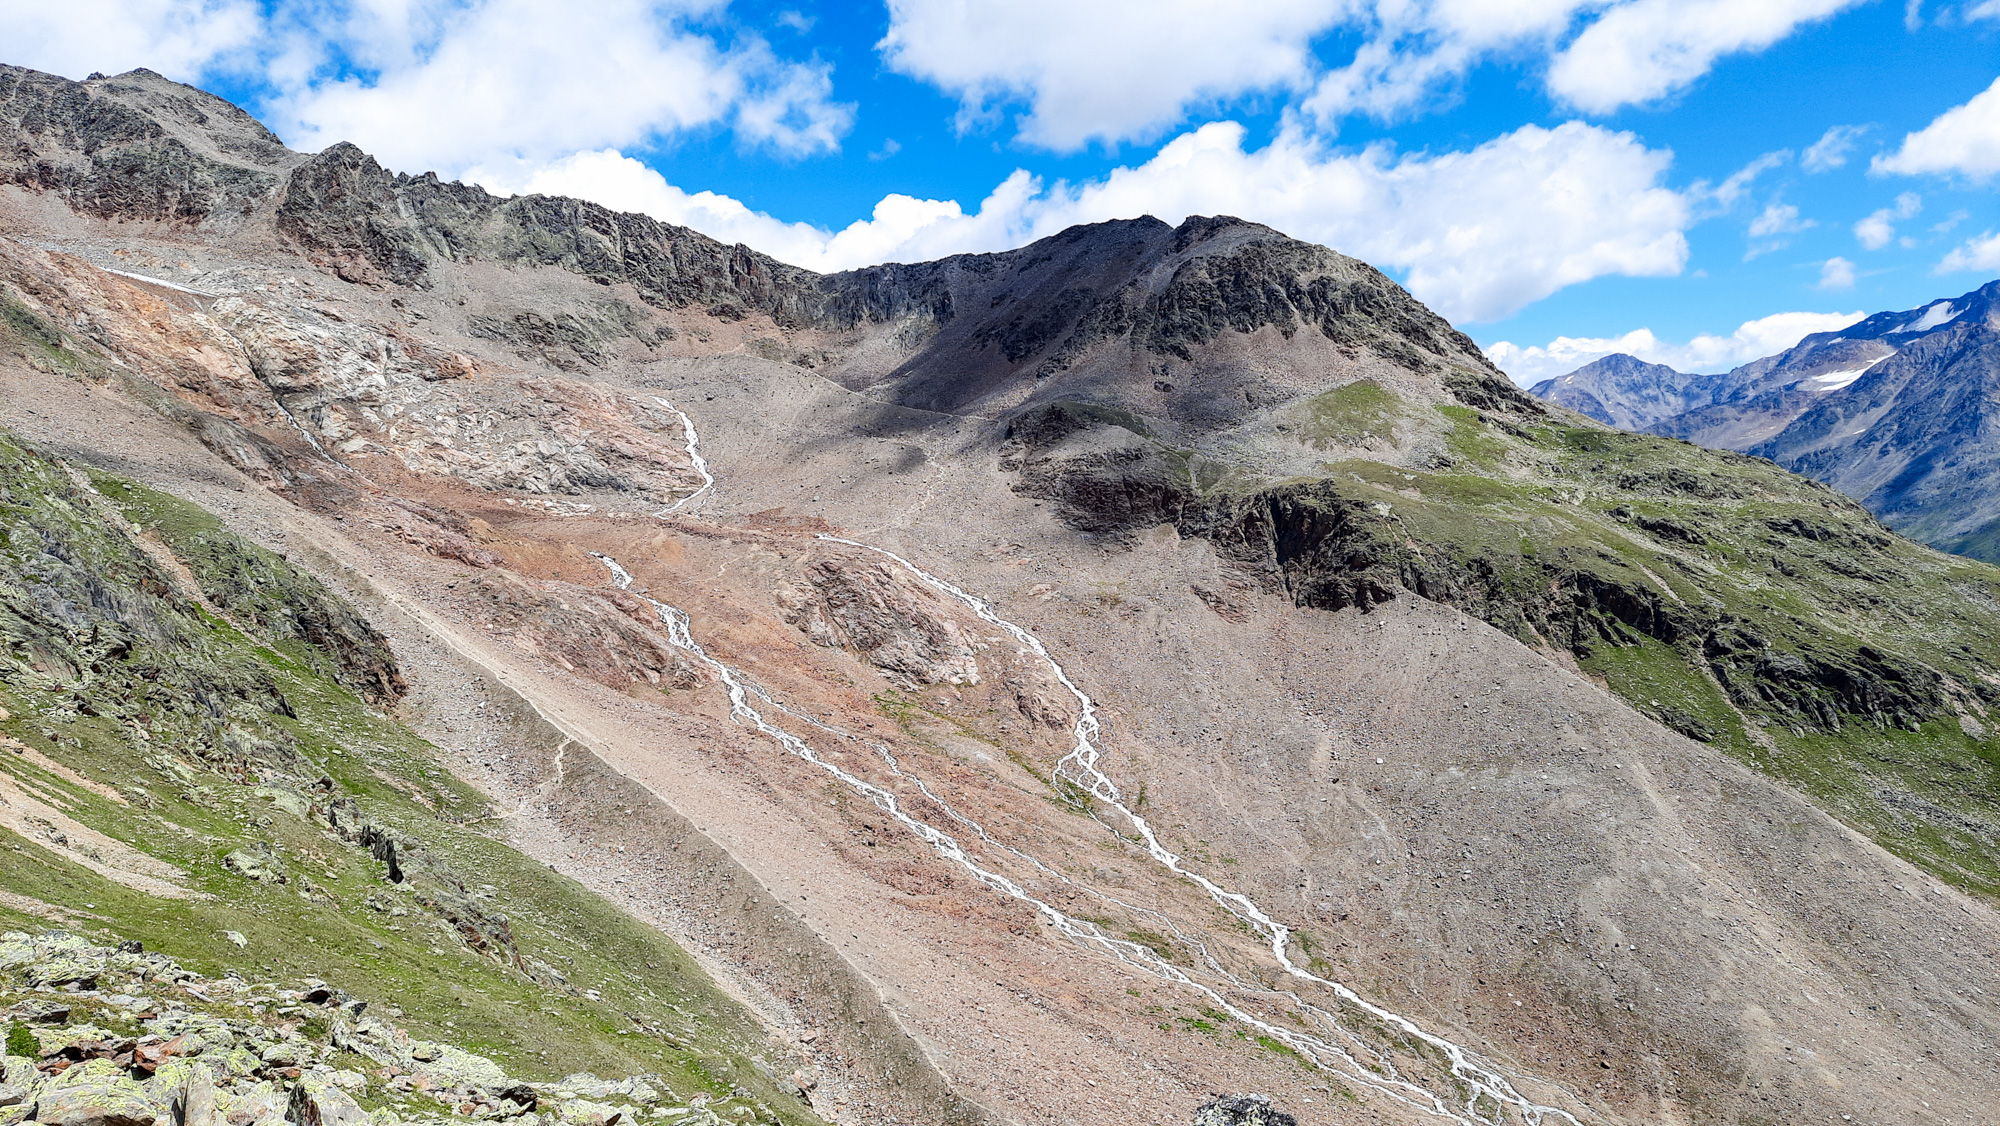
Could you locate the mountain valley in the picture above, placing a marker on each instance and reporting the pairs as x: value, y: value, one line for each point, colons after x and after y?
x: 1068, y: 684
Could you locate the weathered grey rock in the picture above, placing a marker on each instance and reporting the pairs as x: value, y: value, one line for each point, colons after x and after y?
x: 95, y: 1093
x: 137, y: 146
x: 257, y: 862
x: 892, y: 621
x: 262, y: 1105
x: 192, y: 1101
x: 1241, y: 1110
x: 318, y: 1101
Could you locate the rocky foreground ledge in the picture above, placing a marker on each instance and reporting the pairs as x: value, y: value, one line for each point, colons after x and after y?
x: 98, y: 1036
x: 103, y: 1036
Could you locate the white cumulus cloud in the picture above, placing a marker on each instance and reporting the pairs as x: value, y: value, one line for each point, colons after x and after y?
x: 1836, y: 273
x: 1478, y: 233
x: 1117, y: 70
x: 1708, y: 352
x: 179, y: 38
x: 1964, y: 140
x: 1778, y: 219
x: 1102, y: 70
x: 1646, y: 49
x: 455, y: 87
x: 1879, y: 228
x: 1411, y: 49
x: 1982, y: 253
x: 1830, y: 151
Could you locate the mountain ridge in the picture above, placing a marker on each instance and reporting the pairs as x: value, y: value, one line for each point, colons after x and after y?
x: 1903, y: 433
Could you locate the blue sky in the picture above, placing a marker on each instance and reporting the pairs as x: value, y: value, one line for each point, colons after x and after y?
x: 1696, y: 181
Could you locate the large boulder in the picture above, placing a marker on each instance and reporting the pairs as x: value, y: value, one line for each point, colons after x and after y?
x: 318, y: 1101
x: 96, y: 1093
x: 1241, y: 1110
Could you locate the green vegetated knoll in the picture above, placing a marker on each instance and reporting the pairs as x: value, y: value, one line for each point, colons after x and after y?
x: 1728, y: 599
x: 196, y: 757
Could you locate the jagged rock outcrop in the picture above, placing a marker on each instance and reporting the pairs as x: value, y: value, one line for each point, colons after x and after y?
x: 607, y: 635
x: 137, y: 147
x: 881, y: 614
x: 1332, y: 548
x: 1241, y: 1110
x: 224, y: 1051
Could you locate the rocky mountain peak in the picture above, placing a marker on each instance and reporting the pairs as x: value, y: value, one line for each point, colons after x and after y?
x: 1622, y: 390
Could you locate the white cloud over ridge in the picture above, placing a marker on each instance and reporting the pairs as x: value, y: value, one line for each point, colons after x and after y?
x: 1765, y: 336
x: 1964, y: 141
x: 1982, y: 253
x: 1647, y: 49
x: 527, y: 80
x: 453, y: 84
x: 1102, y: 70
x: 1479, y: 233
x: 178, y: 38
x: 1111, y: 71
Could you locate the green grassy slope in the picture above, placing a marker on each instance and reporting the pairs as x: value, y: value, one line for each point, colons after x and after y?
x: 1728, y: 599
x: 243, y: 731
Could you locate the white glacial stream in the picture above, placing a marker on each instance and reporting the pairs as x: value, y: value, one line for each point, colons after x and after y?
x: 1476, y: 1092
x: 699, y: 462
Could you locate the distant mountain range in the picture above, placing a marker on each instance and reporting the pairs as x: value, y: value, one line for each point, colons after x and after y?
x: 1897, y: 411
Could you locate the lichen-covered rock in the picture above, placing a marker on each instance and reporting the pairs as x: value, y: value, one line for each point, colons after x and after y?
x: 318, y: 1101
x: 258, y: 862
x: 95, y: 1093
x: 1241, y: 1110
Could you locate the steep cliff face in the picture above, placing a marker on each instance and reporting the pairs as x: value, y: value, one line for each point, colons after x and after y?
x: 138, y: 147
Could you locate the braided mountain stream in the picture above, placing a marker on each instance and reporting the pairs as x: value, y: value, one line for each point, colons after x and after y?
x: 1382, y: 1051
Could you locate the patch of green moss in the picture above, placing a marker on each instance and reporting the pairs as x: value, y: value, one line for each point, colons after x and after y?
x: 1351, y: 414
x: 21, y: 1042
x: 38, y: 338
x: 1659, y: 681
x: 1471, y: 440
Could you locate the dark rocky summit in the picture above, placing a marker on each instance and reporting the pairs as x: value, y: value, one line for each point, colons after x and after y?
x: 138, y: 147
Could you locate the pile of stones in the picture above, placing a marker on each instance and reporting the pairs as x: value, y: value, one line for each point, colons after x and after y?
x: 104, y: 1036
